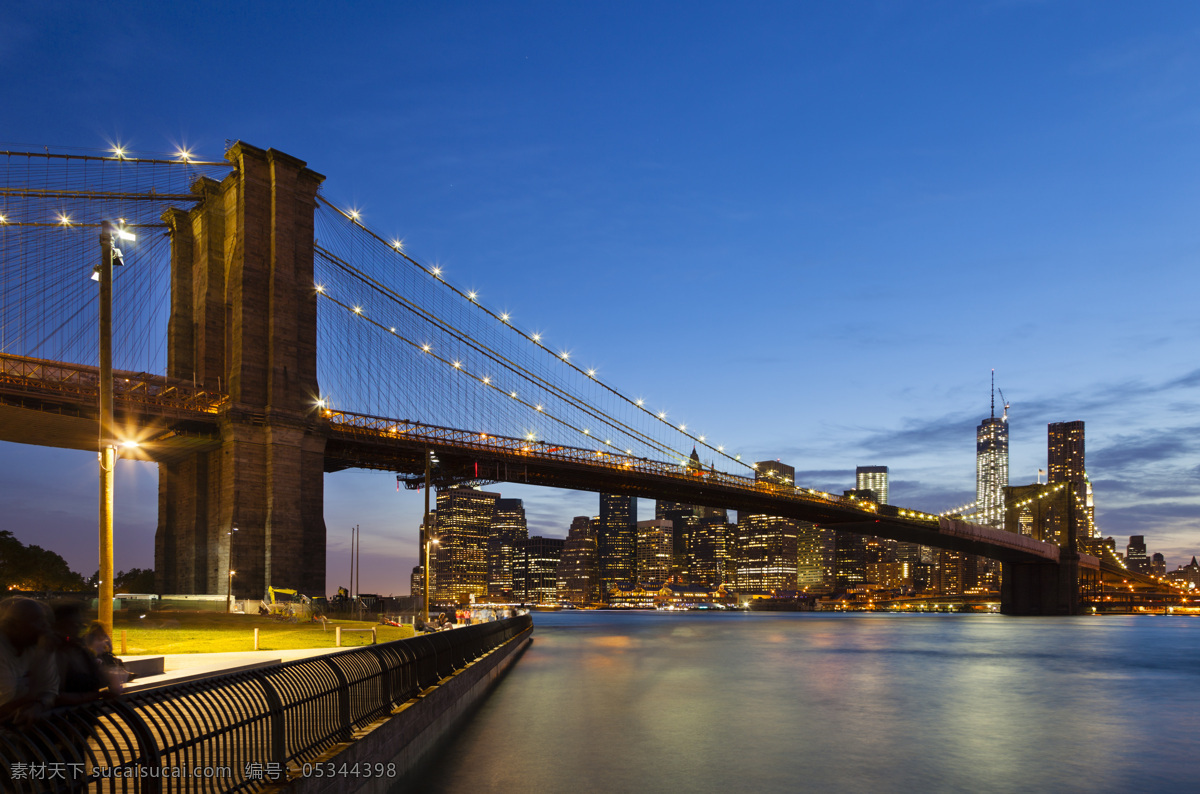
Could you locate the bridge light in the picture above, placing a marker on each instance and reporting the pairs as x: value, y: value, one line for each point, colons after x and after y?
x: 3, y: 219
x: 591, y: 373
x: 565, y: 355
x: 353, y: 215
x: 63, y: 219
x: 701, y: 439
x: 393, y: 330
x: 119, y: 151
x: 124, y: 233
x: 398, y: 245
x: 358, y: 310
x: 504, y: 317
x: 184, y: 155
x: 472, y: 294
x: 662, y: 415
x: 436, y: 271
x: 425, y: 348
x: 486, y: 380
x: 682, y: 428
x: 539, y: 407
x: 321, y: 288
x: 513, y: 395
x: 457, y: 364
x: 640, y: 402
x: 587, y: 432
x: 720, y: 449
x: 537, y: 338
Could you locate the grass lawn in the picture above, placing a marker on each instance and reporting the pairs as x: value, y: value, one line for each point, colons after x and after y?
x: 216, y: 632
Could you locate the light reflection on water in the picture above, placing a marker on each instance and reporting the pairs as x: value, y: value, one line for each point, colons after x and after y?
x: 615, y: 702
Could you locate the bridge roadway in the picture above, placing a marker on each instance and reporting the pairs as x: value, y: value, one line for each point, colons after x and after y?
x: 54, y: 404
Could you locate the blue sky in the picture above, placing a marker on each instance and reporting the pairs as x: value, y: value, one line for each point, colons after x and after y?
x: 809, y: 229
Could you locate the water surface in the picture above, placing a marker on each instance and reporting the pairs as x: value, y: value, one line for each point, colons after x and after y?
x: 700, y: 702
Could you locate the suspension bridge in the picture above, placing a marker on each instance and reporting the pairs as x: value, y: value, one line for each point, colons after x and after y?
x: 265, y: 336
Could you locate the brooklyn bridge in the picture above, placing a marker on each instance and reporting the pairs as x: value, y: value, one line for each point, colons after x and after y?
x: 262, y: 336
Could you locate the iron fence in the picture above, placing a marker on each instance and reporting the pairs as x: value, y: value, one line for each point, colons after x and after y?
x: 239, y: 732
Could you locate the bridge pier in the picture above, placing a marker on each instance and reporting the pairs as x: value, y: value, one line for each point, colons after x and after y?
x: 1041, y: 588
x: 243, y: 322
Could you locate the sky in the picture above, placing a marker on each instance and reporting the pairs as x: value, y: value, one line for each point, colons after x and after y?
x: 810, y: 229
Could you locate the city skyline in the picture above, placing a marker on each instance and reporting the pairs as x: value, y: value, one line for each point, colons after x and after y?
x: 829, y: 164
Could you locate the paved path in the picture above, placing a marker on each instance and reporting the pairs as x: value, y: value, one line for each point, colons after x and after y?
x: 179, y: 667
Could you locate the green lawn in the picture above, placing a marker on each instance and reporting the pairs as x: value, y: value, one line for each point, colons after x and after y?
x: 214, y: 632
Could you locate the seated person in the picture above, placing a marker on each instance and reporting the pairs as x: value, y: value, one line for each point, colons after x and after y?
x: 28, y: 674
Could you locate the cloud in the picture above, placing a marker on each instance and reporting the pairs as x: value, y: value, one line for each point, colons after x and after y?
x: 1133, y: 450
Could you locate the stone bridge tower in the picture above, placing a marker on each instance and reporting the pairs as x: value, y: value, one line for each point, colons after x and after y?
x: 244, y: 322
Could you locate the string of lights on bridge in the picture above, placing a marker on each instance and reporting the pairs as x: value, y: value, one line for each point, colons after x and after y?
x: 472, y: 297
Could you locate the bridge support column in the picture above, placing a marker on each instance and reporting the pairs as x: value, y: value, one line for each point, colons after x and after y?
x: 1034, y: 588
x: 243, y: 322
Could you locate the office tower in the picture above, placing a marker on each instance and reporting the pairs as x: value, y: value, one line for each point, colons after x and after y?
x: 1065, y: 451
x: 464, y: 522
x: 1065, y: 463
x: 815, y: 554
x: 991, y: 465
x: 1135, y: 554
x: 684, y: 524
x: 849, y: 559
x: 616, y: 541
x: 875, y: 479
x: 509, y: 529
x: 767, y: 553
x: 579, y: 567
x: 708, y: 551
x: 535, y: 570
x: 654, y: 551
x: 662, y: 507
x: 1158, y: 564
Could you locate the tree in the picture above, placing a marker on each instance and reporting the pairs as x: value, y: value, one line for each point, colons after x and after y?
x: 32, y: 568
x: 135, y: 580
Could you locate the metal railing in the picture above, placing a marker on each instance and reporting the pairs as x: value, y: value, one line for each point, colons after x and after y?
x: 239, y: 732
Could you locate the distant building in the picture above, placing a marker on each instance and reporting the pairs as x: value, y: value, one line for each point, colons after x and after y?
x: 991, y: 467
x: 815, y: 547
x: 874, y: 479
x: 579, y: 568
x: 1135, y: 554
x: 464, y: 522
x: 535, y: 570
x: 654, y: 551
x: 766, y: 547
x: 616, y: 540
x: 1186, y: 575
x: 1065, y: 462
x: 1158, y: 564
x: 508, y: 531
x: 708, y: 551
x: 849, y: 559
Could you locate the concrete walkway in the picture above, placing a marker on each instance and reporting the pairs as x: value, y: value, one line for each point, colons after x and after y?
x: 179, y: 667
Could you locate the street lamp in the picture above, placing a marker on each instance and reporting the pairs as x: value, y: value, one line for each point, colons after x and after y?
x: 109, y: 255
x: 229, y: 587
x: 428, y: 543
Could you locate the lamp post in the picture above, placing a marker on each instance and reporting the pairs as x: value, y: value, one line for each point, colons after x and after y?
x: 428, y: 543
x: 103, y: 273
x: 229, y: 586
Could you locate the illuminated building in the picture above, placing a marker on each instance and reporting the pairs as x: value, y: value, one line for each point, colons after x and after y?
x: 1158, y: 564
x: 508, y: 530
x: 684, y: 524
x: 1065, y: 462
x: 991, y: 467
x: 654, y: 552
x: 874, y: 479
x: 766, y: 550
x: 849, y: 559
x: 464, y: 522
x: 814, y: 557
x: 579, y: 569
x: 708, y: 560
x: 767, y: 553
x: 535, y: 570
x: 1135, y: 554
x: 616, y: 540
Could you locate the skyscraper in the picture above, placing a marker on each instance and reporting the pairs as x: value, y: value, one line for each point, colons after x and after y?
x: 535, y: 570
x: 991, y: 465
x: 1065, y: 463
x: 1064, y: 451
x: 616, y: 540
x: 654, y: 550
x: 1135, y: 554
x: 464, y: 521
x: 509, y: 529
x: 875, y: 479
x: 766, y: 550
x: 578, y: 569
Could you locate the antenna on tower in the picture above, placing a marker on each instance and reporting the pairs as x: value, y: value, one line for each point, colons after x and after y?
x: 993, y: 392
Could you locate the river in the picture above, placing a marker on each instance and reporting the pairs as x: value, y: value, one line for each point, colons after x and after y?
x: 788, y: 702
